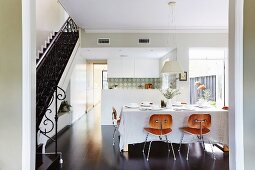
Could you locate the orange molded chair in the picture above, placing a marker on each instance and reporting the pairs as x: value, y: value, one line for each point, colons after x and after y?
x: 198, y: 125
x: 115, y: 123
x: 159, y: 125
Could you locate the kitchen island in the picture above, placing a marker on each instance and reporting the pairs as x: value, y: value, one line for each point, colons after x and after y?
x: 119, y: 97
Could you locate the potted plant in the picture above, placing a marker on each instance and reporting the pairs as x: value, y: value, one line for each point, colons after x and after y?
x: 169, y: 94
x: 64, y: 107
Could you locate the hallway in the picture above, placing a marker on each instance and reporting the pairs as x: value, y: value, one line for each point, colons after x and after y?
x: 87, y: 145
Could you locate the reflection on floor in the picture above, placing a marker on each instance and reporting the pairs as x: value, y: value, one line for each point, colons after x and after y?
x: 88, y: 146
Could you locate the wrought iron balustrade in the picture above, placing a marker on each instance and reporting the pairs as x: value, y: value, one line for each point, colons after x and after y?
x: 49, y: 70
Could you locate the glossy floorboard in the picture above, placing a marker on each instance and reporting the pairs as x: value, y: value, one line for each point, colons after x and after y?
x: 88, y: 146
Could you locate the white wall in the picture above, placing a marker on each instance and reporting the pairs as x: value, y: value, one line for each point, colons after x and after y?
x: 68, y: 92
x: 50, y: 16
x: 11, y: 85
x: 249, y: 84
x: 78, y: 89
x: 89, y: 85
x: 89, y: 40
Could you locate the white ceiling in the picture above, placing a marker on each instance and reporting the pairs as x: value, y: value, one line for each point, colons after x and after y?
x: 147, y: 14
x: 106, y: 53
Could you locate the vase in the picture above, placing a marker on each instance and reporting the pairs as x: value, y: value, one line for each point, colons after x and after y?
x: 201, y: 102
x: 169, y: 103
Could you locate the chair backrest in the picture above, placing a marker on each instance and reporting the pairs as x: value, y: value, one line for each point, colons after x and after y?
x: 160, y: 121
x: 114, y: 114
x: 199, y: 121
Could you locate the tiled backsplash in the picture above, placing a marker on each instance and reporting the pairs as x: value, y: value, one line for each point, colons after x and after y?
x: 133, y: 83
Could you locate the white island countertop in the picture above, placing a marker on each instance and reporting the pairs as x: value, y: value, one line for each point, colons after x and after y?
x: 133, y: 121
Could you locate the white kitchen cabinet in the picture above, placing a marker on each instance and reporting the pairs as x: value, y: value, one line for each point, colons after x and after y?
x: 146, y: 68
x: 114, y: 68
x: 128, y: 67
x: 120, y: 67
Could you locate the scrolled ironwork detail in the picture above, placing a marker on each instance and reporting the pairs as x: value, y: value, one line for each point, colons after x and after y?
x: 62, y: 95
x: 70, y: 26
x: 46, y: 122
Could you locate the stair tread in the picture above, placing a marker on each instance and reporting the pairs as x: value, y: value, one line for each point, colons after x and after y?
x: 47, y: 160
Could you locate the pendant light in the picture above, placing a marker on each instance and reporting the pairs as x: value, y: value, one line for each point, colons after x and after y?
x: 173, y: 66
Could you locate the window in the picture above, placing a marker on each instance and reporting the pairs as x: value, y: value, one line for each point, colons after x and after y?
x: 207, y: 66
x: 210, y: 84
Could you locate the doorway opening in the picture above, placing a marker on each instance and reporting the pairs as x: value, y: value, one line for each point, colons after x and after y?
x: 99, y: 81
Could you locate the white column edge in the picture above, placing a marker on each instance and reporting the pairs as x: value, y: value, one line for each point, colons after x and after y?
x: 239, y: 144
x: 28, y: 85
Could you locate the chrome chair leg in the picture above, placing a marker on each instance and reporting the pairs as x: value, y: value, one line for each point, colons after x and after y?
x: 181, y: 142
x: 203, y: 142
x: 149, y: 151
x: 167, y: 144
x: 187, y: 158
x: 113, y: 136
x: 212, y: 150
x: 145, y: 142
x: 173, y: 150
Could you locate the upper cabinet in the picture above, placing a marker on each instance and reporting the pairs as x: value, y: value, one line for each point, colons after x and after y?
x: 128, y: 67
x: 146, y: 68
x: 121, y: 67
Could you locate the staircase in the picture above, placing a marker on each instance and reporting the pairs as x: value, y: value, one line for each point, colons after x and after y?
x: 49, y: 69
x: 45, y: 46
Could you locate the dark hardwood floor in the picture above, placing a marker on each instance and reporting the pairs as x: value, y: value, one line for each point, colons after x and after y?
x: 88, y: 146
